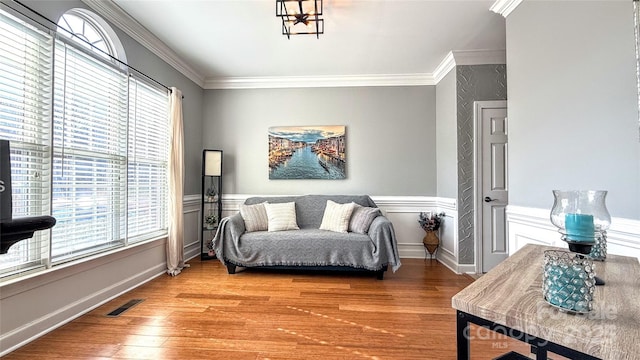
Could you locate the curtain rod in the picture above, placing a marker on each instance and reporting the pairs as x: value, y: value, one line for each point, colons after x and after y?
x: 57, y: 27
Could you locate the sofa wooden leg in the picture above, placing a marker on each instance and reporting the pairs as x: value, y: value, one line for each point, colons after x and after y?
x: 380, y: 274
x: 231, y: 268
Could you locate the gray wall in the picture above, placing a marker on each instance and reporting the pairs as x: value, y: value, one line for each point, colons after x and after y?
x: 473, y: 83
x: 446, y: 137
x: 390, y: 131
x: 142, y: 59
x: 573, y: 103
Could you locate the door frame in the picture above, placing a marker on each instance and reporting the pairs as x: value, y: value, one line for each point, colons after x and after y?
x: 478, y: 106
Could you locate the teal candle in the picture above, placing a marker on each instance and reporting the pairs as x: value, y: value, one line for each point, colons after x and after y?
x: 579, y: 227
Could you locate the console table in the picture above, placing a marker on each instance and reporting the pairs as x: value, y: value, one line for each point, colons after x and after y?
x: 508, y: 300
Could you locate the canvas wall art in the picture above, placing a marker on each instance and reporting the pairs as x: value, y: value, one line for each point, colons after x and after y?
x: 307, y: 152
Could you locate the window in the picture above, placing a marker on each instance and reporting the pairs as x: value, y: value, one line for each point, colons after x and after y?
x: 89, y: 141
x: 92, y: 35
x: 89, y: 154
x: 25, y: 120
x: 148, y: 168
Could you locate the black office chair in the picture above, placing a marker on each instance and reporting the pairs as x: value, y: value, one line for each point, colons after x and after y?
x: 14, y: 230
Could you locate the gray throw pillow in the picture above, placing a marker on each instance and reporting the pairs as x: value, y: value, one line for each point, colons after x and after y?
x: 255, y: 217
x: 361, y: 218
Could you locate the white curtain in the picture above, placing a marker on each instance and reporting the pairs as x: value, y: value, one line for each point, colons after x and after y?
x: 175, y: 242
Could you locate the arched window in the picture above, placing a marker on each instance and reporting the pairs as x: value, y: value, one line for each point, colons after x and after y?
x: 92, y: 32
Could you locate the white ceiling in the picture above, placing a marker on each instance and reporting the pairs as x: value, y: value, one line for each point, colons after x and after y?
x: 222, y: 40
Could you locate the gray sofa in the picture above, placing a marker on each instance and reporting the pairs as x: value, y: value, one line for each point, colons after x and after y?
x: 309, y: 247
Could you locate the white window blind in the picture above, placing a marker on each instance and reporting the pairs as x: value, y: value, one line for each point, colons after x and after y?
x: 25, y: 118
x: 148, y: 155
x: 89, y: 154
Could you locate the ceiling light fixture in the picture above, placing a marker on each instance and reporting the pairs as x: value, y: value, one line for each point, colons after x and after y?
x: 300, y: 17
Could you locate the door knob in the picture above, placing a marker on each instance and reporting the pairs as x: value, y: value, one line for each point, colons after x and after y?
x: 488, y: 199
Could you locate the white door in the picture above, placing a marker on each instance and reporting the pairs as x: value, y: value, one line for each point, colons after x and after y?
x: 491, y: 182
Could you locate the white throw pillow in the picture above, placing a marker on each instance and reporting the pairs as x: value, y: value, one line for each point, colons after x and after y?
x: 255, y: 217
x: 336, y: 216
x: 281, y: 216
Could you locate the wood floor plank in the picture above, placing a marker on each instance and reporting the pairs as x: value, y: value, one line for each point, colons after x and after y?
x: 205, y: 313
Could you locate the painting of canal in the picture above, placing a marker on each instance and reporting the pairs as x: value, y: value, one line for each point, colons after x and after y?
x: 307, y: 152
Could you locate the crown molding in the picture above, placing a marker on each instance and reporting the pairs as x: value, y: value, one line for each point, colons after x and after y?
x: 479, y: 57
x: 505, y: 7
x: 447, y: 64
x: 468, y: 57
x: 280, y: 82
x: 112, y: 12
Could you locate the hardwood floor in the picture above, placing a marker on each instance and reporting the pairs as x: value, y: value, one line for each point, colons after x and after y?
x: 206, y: 314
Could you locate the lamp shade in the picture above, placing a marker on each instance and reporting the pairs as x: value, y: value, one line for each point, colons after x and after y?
x: 212, y: 163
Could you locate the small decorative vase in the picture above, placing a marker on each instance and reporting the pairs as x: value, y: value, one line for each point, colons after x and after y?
x: 431, y: 242
x: 568, y: 281
x: 599, y: 249
x: 210, y: 226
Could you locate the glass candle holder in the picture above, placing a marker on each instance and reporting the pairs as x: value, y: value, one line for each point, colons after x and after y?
x: 568, y: 281
x: 599, y: 249
x: 582, y: 218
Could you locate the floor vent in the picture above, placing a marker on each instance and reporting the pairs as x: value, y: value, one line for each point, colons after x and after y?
x: 125, y: 307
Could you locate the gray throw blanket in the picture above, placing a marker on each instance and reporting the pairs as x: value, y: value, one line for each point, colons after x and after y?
x: 308, y: 246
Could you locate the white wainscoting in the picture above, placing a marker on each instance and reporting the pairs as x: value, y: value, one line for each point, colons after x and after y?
x: 532, y: 226
x: 192, y: 224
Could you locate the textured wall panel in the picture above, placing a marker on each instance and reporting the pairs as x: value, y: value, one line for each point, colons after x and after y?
x: 473, y: 83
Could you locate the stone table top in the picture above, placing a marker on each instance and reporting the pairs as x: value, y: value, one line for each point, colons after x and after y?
x: 511, y: 295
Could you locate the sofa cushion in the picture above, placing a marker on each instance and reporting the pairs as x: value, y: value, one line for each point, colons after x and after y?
x: 361, y: 218
x: 255, y: 217
x: 336, y: 216
x: 281, y: 216
x: 309, y: 247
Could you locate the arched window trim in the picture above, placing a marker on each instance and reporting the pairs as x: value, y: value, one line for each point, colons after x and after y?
x: 100, y: 26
